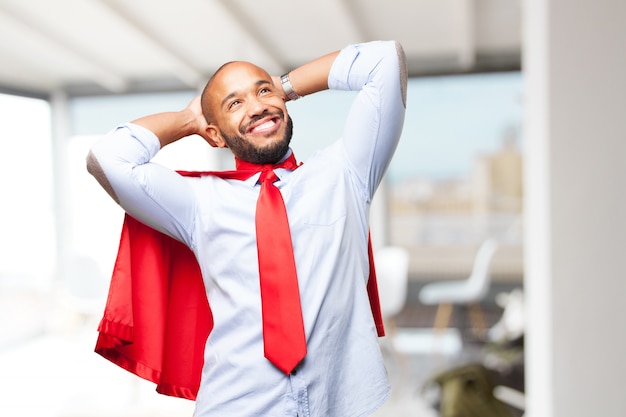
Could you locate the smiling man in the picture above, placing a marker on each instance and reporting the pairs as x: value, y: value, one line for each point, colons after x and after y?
x: 293, y: 332
x: 251, y: 107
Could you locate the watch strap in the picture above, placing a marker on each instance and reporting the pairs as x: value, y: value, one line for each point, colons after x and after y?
x: 288, y: 88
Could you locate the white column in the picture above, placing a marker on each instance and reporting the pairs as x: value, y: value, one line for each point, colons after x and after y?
x: 63, y: 222
x: 575, y: 75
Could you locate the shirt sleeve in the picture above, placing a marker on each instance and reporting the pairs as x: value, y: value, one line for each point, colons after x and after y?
x: 148, y: 191
x: 374, y: 124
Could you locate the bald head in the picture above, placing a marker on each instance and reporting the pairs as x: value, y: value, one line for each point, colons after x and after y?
x: 223, y: 83
x: 207, y: 109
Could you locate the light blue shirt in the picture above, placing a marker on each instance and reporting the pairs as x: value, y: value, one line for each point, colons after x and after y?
x: 327, y: 201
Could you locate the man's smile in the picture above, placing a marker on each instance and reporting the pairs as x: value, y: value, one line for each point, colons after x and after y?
x: 264, y: 126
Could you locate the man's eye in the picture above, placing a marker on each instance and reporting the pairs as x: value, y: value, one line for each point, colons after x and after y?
x: 264, y: 90
x: 233, y: 104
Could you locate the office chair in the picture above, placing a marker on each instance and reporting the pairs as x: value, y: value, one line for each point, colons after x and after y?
x: 470, y: 291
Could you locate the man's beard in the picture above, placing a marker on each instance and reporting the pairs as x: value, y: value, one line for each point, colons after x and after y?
x: 268, y: 154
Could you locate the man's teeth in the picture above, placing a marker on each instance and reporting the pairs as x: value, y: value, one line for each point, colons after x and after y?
x: 265, y: 125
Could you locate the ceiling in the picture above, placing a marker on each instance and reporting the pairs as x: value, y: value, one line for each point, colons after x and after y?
x: 85, y: 47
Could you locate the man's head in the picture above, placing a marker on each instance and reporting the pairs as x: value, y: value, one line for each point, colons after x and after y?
x: 246, y: 112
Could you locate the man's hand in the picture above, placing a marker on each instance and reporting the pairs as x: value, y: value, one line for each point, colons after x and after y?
x: 198, y: 120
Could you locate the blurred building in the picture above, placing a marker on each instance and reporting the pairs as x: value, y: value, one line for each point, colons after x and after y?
x: 497, y: 178
x: 443, y: 221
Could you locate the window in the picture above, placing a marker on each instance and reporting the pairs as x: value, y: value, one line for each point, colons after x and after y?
x: 456, y: 178
x: 27, y: 246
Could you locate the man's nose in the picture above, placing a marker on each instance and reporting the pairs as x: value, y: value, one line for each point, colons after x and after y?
x: 256, y: 107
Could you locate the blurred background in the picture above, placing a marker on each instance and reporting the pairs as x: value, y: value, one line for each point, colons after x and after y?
x: 498, y: 230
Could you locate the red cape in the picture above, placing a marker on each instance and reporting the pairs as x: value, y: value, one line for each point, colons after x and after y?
x: 157, y: 317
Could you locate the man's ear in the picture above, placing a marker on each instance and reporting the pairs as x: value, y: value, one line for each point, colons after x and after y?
x: 214, y: 137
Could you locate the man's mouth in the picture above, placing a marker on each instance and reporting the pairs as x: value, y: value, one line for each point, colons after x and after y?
x: 264, y: 126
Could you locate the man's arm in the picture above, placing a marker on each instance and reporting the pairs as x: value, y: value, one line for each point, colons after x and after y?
x: 172, y: 126
x: 374, y: 124
x: 371, y: 133
x: 148, y: 191
x: 311, y: 77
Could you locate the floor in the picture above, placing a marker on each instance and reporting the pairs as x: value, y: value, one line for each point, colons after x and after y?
x: 56, y: 374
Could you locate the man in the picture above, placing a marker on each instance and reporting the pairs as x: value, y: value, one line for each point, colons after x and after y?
x: 341, y: 372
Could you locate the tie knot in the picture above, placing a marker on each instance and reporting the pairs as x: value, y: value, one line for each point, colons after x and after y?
x: 268, y: 175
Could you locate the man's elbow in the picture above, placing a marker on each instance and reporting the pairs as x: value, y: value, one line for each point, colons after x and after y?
x: 402, y: 65
x: 95, y: 169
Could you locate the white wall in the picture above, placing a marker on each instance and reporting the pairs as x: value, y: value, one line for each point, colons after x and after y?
x: 575, y: 72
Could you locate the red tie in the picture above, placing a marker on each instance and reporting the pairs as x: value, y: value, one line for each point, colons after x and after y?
x: 283, y: 328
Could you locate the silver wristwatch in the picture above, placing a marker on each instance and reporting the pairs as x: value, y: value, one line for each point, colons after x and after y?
x: 288, y: 88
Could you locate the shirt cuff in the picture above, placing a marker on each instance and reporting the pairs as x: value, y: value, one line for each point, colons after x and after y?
x: 340, y: 70
x: 353, y: 66
x: 146, y: 137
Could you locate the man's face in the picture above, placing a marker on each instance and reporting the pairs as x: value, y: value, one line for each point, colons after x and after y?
x: 270, y: 153
x: 249, y: 114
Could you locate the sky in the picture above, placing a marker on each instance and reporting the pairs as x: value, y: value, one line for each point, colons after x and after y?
x: 451, y: 119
